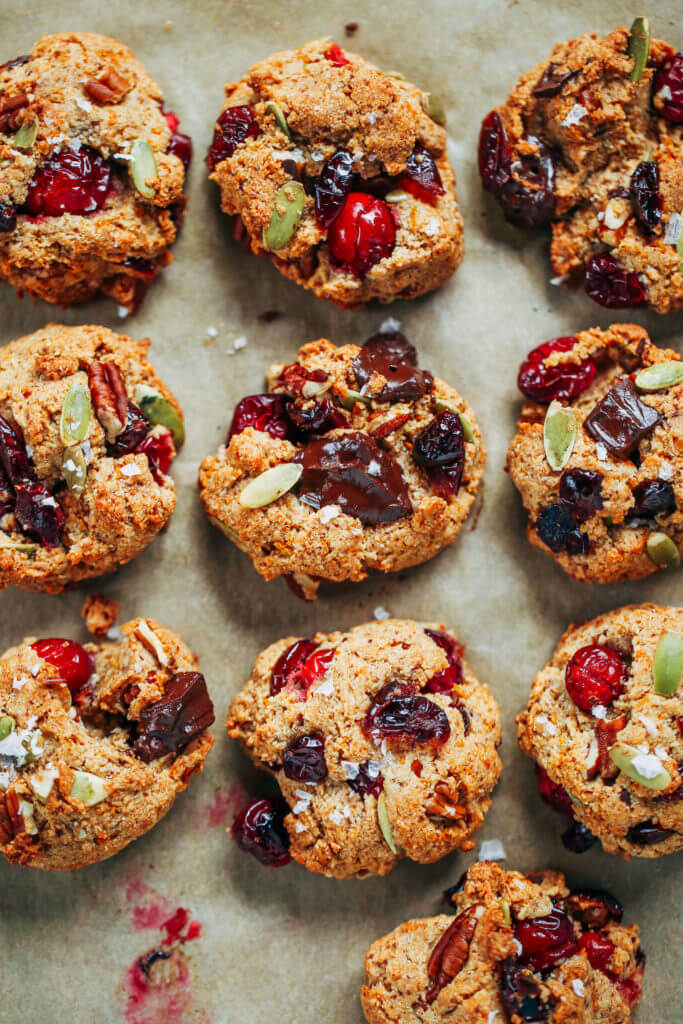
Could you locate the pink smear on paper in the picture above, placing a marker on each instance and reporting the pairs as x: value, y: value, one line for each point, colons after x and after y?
x: 222, y: 806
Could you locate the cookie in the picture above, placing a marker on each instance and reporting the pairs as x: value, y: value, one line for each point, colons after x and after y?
x: 598, y: 454
x: 92, y: 171
x: 87, y: 435
x: 356, y: 459
x: 604, y: 724
x: 521, y: 948
x: 96, y: 742
x: 338, y: 172
x: 382, y: 741
x: 590, y: 142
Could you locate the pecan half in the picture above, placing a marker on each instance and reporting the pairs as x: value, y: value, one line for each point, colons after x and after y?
x: 389, y: 426
x: 9, y: 110
x: 11, y: 819
x: 109, y: 397
x: 110, y: 87
x: 605, y: 733
x: 451, y: 951
x: 444, y: 803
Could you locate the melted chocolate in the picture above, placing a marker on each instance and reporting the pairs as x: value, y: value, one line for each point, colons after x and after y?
x: 171, y: 723
x: 621, y: 420
x: 550, y: 83
x: 392, y: 356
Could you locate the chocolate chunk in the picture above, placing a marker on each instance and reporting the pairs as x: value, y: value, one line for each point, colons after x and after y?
x: 171, y: 723
x: 392, y: 356
x: 621, y: 420
x: 550, y: 83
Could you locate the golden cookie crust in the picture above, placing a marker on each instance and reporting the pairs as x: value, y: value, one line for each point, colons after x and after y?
x: 69, y: 258
x: 60, y: 831
x: 435, y: 796
x: 379, y: 119
x: 561, y: 737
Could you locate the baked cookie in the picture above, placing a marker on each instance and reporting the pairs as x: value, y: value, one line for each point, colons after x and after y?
x: 598, y: 454
x: 96, y: 741
x: 381, y: 461
x: 91, y: 172
x: 590, y: 141
x: 522, y: 948
x: 339, y: 173
x: 382, y: 741
x: 87, y: 434
x: 604, y: 724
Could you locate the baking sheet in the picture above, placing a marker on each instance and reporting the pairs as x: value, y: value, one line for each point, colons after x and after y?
x: 286, y: 945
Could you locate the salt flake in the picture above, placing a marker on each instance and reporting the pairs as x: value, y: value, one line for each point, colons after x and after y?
x: 576, y: 114
x: 389, y: 325
x: 578, y: 987
x: 381, y: 613
x: 492, y: 849
x: 647, y: 765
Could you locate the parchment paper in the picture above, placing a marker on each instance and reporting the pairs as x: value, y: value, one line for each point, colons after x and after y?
x: 285, y: 945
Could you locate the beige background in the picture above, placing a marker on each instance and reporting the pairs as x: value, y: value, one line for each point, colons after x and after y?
x: 284, y: 945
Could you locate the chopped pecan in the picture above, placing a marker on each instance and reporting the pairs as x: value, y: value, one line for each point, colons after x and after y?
x: 109, y: 397
x: 605, y: 733
x: 10, y: 107
x: 297, y: 380
x: 444, y: 803
x: 110, y: 87
x: 389, y: 426
x: 451, y: 951
x: 11, y: 819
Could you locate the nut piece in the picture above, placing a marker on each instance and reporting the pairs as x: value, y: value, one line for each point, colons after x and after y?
x: 150, y: 640
x: 109, y: 397
x: 449, y: 955
x: 88, y: 788
x: 100, y: 613
x: 110, y: 87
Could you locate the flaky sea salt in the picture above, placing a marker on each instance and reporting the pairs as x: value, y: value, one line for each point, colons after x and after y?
x: 673, y: 229
x: 328, y: 513
x: 381, y: 613
x: 492, y: 849
x: 578, y: 987
x: 389, y: 325
x: 647, y: 765
x: 600, y: 452
x: 599, y: 711
x: 131, y: 469
x: 576, y: 114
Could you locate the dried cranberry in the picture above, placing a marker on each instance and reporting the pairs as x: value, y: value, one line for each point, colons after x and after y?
x: 368, y: 779
x: 314, y: 419
x: 17, y: 62
x: 176, y: 719
x: 421, y: 177
x: 160, y: 452
x: 180, y: 145
x: 234, y: 126
x: 653, y: 498
x: 134, y: 432
x: 444, y: 681
x: 8, y: 217
x: 546, y: 941
x: 73, y: 661
x: 563, y: 381
x: 578, y: 838
x: 289, y: 661
x: 558, y: 528
x: 13, y: 457
x: 300, y: 666
x: 141, y: 265
x: 595, y: 675
x: 645, y: 197
x: 304, y: 759
x: 595, y: 907
x: 550, y: 83
x: 6, y: 493
x: 621, y: 420
x: 528, y: 194
x: 581, y: 490
x: 336, y: 55
x: 440, y: 450
x: 554, y: 794
x: 397, y: 712
x: 494, y: 153
x: 259, y: 829
x: 608, y: 284
x: 362, y: 234
x: 670, y: 77
x: 37, y: 512
x: 385, y: 354
x: 262, y: 412
x: 333, y: 186
x: 521, y: 993
x: 75, y: 181
x: 630, y: 989
x: 352, y: 471
x: 598, y: 949
x: 647, y: 833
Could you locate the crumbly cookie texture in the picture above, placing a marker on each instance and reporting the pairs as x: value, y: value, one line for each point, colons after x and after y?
x: 96, y: 742
x: 85, y: 448
x: 405, y: 741
x: 356, y: 522
x: 616, y: 755
x: 294, y: 113
x: 82, y: 131
x: 588, y: 141
x: 614, y: 510
x: 475, y: 969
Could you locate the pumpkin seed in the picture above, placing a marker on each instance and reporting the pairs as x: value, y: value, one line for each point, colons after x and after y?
x: 74, y: 470
x: 442, y: 406
x: 42, y: 782
x: 158, y: 410
x: 280, y: 120
x: 662, y: 551
x: 230, y: 533
x: 88, y: 788
x: 667, y: 667
x: 395, y: 74
x: 16, y: 545
x: 6, y: 726
x: 505, y: 910
x: 26, y: 136
x: 559, y: 435
x: 626, y: 758
x: 143, y: 165
x: 397, y: 196
x: 271, y: 485
x: 385, y: 824
x: 639, y: 47
x: 661, y: 375
x: 76, y: 415
x: 351, y: 397
x: 433, y: 107
x: 288, y: 207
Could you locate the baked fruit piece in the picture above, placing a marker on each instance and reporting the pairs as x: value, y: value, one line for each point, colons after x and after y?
x: 598, y: 454
x: 604, y: 724
x: 339, y: 173
x: 87, y: 435
x: 590, y: 141
x: 96, y: 741
x: 381, y: 461
x: 522, y: 948
x: 382, y: 741
x: 91, y: 172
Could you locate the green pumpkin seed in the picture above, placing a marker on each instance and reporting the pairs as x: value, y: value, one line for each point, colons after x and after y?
x: 143, y: 165
x: 76, y: 415
x: 280, y: 119
x: 351, y: 397
x: 271, y: 485
x: 16, y: 545
x: 639, y: 47
x: 442, y: 406
x: 505, y: 910
x: 88, y: 788
x: 661, y: 375
x: 398, y: 75
x: 6, y: 726
x: 433, y: 107
x: 288, y: 207
x: 42, y: 782
x: 662, y: 551
x: 397, y: 196
x: 385, y: 824
x: 226, y: 530
x: 624, y: 755
x: 26, y: 136
x: 158, y: 410
x: 74, y: 470
x: 559, y: 435
x: 667, y: 668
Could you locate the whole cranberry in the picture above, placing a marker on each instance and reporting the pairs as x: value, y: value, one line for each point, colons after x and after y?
x: 73, y: 661
x: 608, y: 284
x: 363, y: 233
x: 653, y: 498
x: 234, y: 126
x: 645, y: 197
x: 262, y: 412
x: 421, y: 177
x: 596, y: 675
x: 667, y: 89
x: 300, y: 666
x: 75, y: 181
x: 598, y: 949
x: 259, y: 830
x: 558, y: 528
x: 333, y: 186
x: 304, y: 759
x: 8, y: 217
x: 397, y: 712
x: 440, y: 450
x: 581, y: 490
x: 563, y: 381
x: 546, y: 941
x: 160, y: 452
x: 494, y: 153
x: 554, y: 794
x: 444, y: 681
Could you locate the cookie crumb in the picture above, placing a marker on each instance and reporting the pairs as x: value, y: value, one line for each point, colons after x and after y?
x: 269, y: 315
x: 492, y: 849
x: 351, y: 28
x: 100, y: 614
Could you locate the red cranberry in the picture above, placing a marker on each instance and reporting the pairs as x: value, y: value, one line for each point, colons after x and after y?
x: 37, y: 512
x: 73, y: 661
x: 645, y: 197
x: 653, y: 498
x: 259, y: 830
x: 8, y: 217
x: 332, y: 187
x: 581, y: 490
x: 396, y: 712
x: 135, y: 431
x: 160, y: 452
x: 598, y: 949
x: 421, y: 177
x: 608, y: 284
x: 368, y: 780
x: 440, y: 450
x: 444, y: 681
x: 336, y: 55
x: 300, y: 666
x: 6, y: 493
x: 621, y: 420
x: 669, y: 77
x: 528, y: 194
x: 180, y: 145
x: 235, y: 125
x: 578, y: 838
x: 494, y: 153
x: 558, y: 528
x: 647, y: 833
x: 521, y: 994
x: 363, y: 233
x: 289, y: 661
x: 630, y: 989
x: 554, y: 794
x: 75, y: 181
x: 543, y: 383
x: 392, y: 356
x: 596, y: 675
x: 262, y: 412
x: 304, y: 759
x: 13, y: 457
x: 546, y: 941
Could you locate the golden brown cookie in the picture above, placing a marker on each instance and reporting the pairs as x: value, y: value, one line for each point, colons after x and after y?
x: 91, y: 172
x: 96, y: 742
x: 604, y: 724
x: 339, y: 173
x: 382, y: 741
x: 591, y: 142
x: 521, y: 948
x: 598, y: 454
x: 87, y: 435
